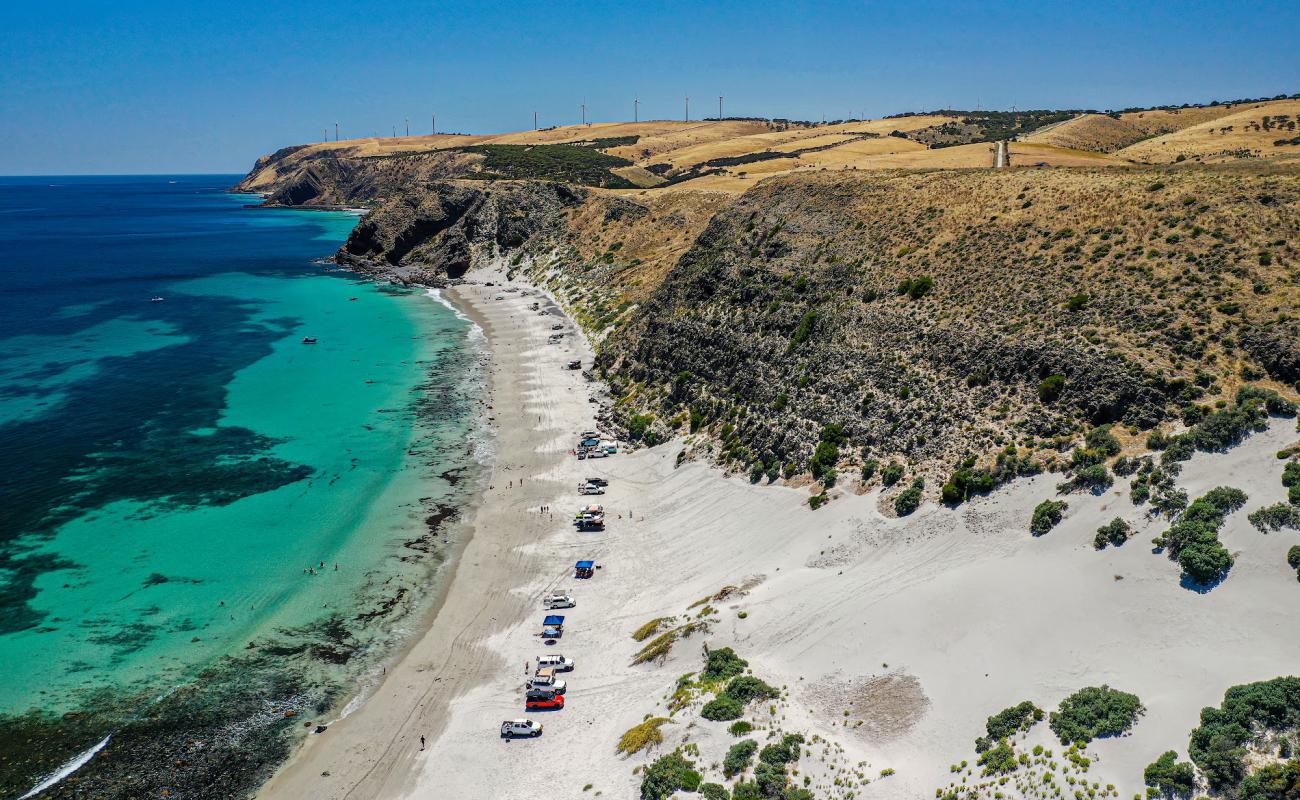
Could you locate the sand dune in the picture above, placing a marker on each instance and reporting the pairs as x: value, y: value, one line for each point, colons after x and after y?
x: 921, y: 627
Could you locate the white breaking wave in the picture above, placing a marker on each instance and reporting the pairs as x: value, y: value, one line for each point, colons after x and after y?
x: 67, y: 769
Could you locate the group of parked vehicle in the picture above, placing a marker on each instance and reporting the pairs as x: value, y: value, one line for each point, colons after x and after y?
x: 544, y: 690
x: 590, y: 445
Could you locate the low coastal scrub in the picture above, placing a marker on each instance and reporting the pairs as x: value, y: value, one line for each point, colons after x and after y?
x: 1115, y: 532
x: 998, y: 760
x: 1193, y: 539
x: 639, y: 737
x: 722, y: 663
x: 891, y: 474
x: 1249, y: 715
x: 739, y: 756
x: 647, y: 630
x: 667, y: 775
x: 740, y: 692
x: 1007, y: 723
x: 1094, y: 712
x: 1271, y: 519
x: 1093, y: 478
x: 909, y: 499
x: 968, y: 480
x: 714, y: 791
x: 1169, y: 778
x: 659, y: 647
x: 1216, y: 431
x: 1047, y: 515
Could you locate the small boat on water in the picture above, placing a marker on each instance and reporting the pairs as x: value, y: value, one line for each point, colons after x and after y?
x: 309, y: 340
x: 156, y: 299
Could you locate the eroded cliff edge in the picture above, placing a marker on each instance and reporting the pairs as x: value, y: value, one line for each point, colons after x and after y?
x: 926, y: 319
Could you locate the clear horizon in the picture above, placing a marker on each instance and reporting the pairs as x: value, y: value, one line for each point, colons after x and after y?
x: 165, y: 90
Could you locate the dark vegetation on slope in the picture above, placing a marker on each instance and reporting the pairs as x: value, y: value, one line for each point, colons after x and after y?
x: 1129, y: 303
x: 1251, y: 716
x: 985, y: 126
x: 586, y: 166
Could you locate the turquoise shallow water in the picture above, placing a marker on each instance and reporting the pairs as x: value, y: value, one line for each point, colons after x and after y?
x: 187, y: 466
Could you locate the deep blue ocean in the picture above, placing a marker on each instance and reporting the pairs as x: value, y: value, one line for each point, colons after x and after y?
x: 206, y: 524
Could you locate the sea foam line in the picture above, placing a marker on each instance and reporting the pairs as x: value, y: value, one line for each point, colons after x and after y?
x: 67, y: 769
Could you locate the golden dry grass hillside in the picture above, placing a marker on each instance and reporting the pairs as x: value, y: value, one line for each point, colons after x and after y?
x: 727, y: 156
x: 1257, y: 130
x: 1228, y: 131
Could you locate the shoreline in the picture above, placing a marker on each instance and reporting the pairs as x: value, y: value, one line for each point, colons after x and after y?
x: 369, y: 748
x: 922, y: 625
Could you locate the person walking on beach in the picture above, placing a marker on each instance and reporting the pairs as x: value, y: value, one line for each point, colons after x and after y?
x: 421, y: 743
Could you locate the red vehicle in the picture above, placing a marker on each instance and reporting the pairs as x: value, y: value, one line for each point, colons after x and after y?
x: 544, y: 703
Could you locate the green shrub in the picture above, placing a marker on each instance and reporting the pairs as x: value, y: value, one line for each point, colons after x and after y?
x: 891, y: 474
x: 1293, y: 556
x: 722, y: 708
x: 1097, y: 711
x: 746, y: 791
x: 1193, y: 538
x: 1049, y: 390
x: 965, y: 482
x: 1115, y: 532
x: 1205, y: 561
x: 747, y: 688
x: 868, y: 469
x: 1047, y: 515
x: 917, y: 288
x: 638, y: 425
x: 771, y: 779
x: 1291, y: 474
x: 1095, y: 478
x: 998, y: 760
x: 669, y: 774
x: 1271, y: 519
x: 1219, y: 745
x: 1076, y: 302
x: 740, y: 727
x: 824, y: 460
x: 1010, y: 721
x: 738, y: 757
x: 1169, y: 778
x: 908, y: 500
x: 783, y: 752
x: 805, y: 330
x: 714, y: 791
x: 1100, y: 438
x: 722, y: 663
x: 1273, y: 782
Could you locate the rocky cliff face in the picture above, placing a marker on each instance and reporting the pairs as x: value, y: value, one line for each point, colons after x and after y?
x: 928, y: 317
x: 439, y: 230
x: 946, y: 315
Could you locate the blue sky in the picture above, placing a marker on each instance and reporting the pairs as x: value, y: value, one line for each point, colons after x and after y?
x: 143, y: 86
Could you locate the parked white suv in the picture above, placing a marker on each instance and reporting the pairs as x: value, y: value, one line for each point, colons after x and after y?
x: 556, y: 662
x: 589, y: 488
x: 520, y: 727
x: 548, y: 681
x: 559, y: 600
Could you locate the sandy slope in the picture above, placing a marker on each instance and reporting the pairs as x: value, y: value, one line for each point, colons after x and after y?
x: 981, y: 614
x: 922, y: 627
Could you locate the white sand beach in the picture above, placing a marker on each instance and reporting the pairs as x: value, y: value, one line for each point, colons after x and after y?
x: 895, y: 637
